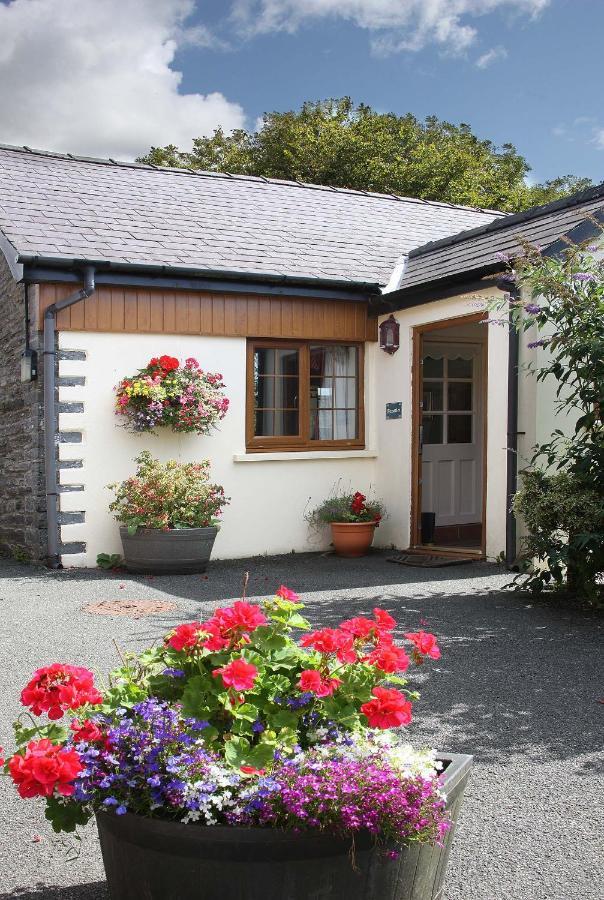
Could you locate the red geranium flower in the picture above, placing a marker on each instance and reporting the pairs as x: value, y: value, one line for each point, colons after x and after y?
x: 185, y: 637
x: 384, y: 620
x: 59, y: 687
x: 287, y: 594
x: 359, y: 627
x: 389, y: 659
x: 85, y: 731
x: 45, y: 768
x: 321, y: 685
x: 239, y: 675
x: 168, y: 363
x: 327, y: 640
x: 389, y: 709
x: 238, y: 620
x: 425, y: 643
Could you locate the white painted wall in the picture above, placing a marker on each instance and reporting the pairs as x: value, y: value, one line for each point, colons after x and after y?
x: 393, y: 375
x: 269, y: 492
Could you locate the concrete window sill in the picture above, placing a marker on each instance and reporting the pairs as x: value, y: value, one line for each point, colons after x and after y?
x: 306, y: 456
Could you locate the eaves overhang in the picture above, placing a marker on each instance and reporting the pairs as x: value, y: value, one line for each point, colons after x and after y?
x: 39, y: 269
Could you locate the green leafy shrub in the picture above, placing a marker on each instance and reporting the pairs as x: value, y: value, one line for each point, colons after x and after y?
x: 168, y: 495
x: 352, y: 507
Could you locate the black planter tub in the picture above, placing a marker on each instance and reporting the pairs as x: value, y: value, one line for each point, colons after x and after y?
x: 179, y: 551
x: 150, y: 859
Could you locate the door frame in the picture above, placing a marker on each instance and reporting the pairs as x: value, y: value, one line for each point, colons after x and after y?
x: 416, y: 399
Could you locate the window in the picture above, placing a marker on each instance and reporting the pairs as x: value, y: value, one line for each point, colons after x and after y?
x: 448, y: 400
x: 304, y: 394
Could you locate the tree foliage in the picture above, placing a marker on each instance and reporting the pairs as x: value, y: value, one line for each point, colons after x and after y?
x: 333, y: 142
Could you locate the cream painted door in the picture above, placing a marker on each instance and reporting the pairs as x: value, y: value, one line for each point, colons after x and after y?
x: 451, y: 432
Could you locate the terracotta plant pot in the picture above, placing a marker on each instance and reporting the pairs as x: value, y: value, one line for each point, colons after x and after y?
x: 352, y: 538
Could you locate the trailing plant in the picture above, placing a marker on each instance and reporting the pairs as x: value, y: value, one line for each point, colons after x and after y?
x: 164, y: 393
x: 566, y: 521
x: 351, y: 507
x: 167, y: 495
x: 234, y: 721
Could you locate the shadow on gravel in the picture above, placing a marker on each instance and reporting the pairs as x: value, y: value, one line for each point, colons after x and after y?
x: 304, y: 572
x: 95, y: 891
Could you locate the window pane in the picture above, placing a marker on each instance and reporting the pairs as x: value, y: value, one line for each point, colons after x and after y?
x: 433, y: 429
x: 460, y: 395
x: 276, y: 392
x: 459, y: 430
x: 286, y: 362
x: 433, y: 368
x: 264, y: 362
x: 460, y: 368
x: 345, y: 392
x: 333, y: 359
x: 345, y: 424
x: 321, y: 393
x: 433, y: 396
x: 321, y: 425
x: 276, y: 423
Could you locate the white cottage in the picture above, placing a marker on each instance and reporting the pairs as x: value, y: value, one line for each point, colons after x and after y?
x: 282, y: 287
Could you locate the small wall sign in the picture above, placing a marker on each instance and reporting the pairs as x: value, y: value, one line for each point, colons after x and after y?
x: 394, y: 410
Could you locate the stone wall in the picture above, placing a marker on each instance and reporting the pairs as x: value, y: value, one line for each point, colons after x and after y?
x: 22, y: 500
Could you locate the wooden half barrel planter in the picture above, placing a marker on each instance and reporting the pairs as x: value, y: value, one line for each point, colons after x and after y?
x: 178, y: 551
x: 151, y: 859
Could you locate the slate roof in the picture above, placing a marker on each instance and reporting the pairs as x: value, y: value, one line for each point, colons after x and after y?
x: 479, y: 250
x: 66, y: 208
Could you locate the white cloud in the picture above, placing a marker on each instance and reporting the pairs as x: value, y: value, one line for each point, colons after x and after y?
x: 491, y: 56
x: 96, y: 77
x: 395, y: 24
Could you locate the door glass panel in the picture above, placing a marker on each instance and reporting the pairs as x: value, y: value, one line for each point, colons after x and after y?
x: 459, y: 395
x: 433, y: 368
x: 459, y: 429
x: 433, y: 429
x: 460, y: 368
x: 433, y: 396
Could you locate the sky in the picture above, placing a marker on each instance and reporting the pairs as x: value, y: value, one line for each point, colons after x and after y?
x: 114, y: 77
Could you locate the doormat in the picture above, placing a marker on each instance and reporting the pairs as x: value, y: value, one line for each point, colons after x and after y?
x: 428, y: 561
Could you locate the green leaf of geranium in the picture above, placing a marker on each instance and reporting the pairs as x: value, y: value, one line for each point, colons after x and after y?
x: 246, y: 711
x: 236, y: 751
x: 283, y: 719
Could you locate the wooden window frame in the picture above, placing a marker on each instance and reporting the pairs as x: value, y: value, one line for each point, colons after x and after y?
x: 264, y: 443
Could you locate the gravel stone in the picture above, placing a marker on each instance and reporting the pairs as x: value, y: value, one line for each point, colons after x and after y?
x: 518, y: 685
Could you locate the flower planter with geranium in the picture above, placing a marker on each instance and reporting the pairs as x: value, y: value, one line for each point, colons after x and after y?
x: 169, y: 516
x: 164, y: 393
x: 232, y: 761
x: 352, y: 520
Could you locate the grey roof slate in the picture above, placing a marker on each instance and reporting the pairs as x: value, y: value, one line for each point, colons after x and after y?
x: 65, y: 208
x: 481, y: 249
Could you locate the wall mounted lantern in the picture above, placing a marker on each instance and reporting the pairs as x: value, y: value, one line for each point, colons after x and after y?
x: 389, y: 335
x: 29, y: 365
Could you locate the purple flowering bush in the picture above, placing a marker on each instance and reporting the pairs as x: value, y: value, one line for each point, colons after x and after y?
x: 562, y: 496
x: 156, y: 763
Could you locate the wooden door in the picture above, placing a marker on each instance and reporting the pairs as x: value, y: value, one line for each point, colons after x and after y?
x: 451, y: 432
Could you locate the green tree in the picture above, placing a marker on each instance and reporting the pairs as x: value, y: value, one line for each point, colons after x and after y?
x: 335, y: 143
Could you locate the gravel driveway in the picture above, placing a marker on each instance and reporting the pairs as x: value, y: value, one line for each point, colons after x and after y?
x: 518, y: 686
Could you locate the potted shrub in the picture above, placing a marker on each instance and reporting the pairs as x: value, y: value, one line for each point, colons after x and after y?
x: 166, y: 393
x: 231, y: 761
x: 169, y: 516
x: 352, y: 520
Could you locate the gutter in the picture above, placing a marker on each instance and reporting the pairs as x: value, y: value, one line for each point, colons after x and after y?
x: 50, y: 414
x: 51, y: 268
x: 512, y: 429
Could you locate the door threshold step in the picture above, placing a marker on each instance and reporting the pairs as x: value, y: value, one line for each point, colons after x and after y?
x: 430, y: 561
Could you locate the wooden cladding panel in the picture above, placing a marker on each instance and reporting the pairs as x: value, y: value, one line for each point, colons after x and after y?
x: 228, y: 315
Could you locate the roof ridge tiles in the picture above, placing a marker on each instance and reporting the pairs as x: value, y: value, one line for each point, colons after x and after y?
x: 70, y: 157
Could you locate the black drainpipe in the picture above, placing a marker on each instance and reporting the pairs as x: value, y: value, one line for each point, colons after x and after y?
x: 50, y: 414
x: 512, y: 430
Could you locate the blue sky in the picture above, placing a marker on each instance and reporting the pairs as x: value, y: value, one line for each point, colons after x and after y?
x: 114, y: 77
